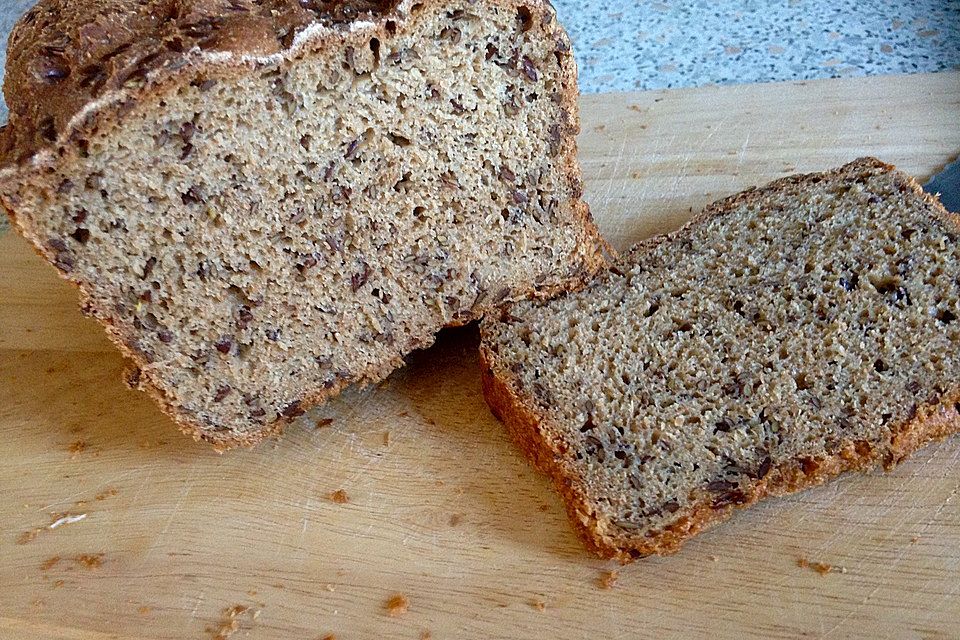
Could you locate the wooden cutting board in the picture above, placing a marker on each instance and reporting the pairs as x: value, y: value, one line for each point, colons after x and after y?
x: 112, y: 525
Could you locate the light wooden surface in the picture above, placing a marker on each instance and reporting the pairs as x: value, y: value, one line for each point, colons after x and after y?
x: 446, y: 512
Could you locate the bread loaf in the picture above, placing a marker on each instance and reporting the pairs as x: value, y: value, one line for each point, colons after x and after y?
x: 264, y: 201
x: 786, y: 335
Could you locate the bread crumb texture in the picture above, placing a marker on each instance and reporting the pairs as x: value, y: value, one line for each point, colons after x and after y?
x: 254, y: 244
x: 786, y: 335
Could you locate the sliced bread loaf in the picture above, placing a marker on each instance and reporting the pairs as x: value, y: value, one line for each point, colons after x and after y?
x: 266, y: 200
x: 787, y: 334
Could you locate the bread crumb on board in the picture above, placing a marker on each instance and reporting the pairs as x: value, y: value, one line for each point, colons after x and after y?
x: 820, y: 567
x: 89, y: 560
x: 229, y: 624
x: 27, y: 536
x: 329, y: 636
x: 77, y: 447
x: 538, y: 604
x: 340, y: 496
x: 608, y: 579
x: 323, y: 422
x: 426, y: 635
x: 397, y: 605
x: 109, y: 492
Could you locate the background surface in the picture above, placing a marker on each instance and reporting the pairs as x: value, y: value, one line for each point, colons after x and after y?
x: 625, y: 45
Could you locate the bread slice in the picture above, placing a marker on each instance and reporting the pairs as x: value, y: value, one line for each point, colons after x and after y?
x: 786, y: 335
x: 265, y: 201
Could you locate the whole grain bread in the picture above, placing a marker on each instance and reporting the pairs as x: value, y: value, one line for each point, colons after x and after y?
x: 784, y: 336
x: 264, y: 201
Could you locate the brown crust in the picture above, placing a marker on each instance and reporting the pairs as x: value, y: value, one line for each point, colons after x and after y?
x: 25, y: 152
x: 542, y: 442
x: 65, y: 54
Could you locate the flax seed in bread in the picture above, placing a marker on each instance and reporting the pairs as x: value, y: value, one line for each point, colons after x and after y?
x: 786, y: 335
x: 267, y: 200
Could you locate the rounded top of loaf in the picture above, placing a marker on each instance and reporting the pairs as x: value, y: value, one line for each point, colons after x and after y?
x: 66, y: 54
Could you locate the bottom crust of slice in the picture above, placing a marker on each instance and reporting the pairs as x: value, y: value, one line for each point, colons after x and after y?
x: 551, y: 455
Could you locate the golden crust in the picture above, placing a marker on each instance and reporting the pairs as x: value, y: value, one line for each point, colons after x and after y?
x: 22, y: 139
x: 545, y: 447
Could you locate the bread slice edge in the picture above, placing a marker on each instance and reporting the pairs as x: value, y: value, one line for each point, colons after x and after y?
x: 543, y: 444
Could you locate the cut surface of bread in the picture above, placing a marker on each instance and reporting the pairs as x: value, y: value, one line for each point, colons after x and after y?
x: 267, y: 201
x: 785, y: 335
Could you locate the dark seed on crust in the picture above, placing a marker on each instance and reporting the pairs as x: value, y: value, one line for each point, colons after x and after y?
x: 351, y: 149
x: 452, y: 34
x: 594, y: 446
x: 671, y: 507
x: 222, y: 392
x: 64, y: 261
x: 194, y: 195
x: 292, y: 410
x: 81, y: 235
x: 244, y: 317
x: 723, y: 425
x: 720, y: 486
x: 165, y: 336
x: 187, y: 129
x: 731, y: 497
x: 148, y: 268
x: 224, y: 344
x: 588, y: 424
x: 764, y: 468
x: 529, y: 70
x: 357, y: 280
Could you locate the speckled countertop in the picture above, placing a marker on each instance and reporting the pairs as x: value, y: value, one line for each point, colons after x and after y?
x: 624, y: 45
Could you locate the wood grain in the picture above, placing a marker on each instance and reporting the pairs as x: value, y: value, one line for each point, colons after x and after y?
x: 444, y: 510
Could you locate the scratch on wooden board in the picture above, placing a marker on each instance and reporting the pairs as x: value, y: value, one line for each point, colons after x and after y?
x: 187, y: 488
x: 613, y: 172
x: 95, y: 490
x: 306, y: 508
x: 740, y: 156
x: 890, y: 567
x: 197, y: 603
